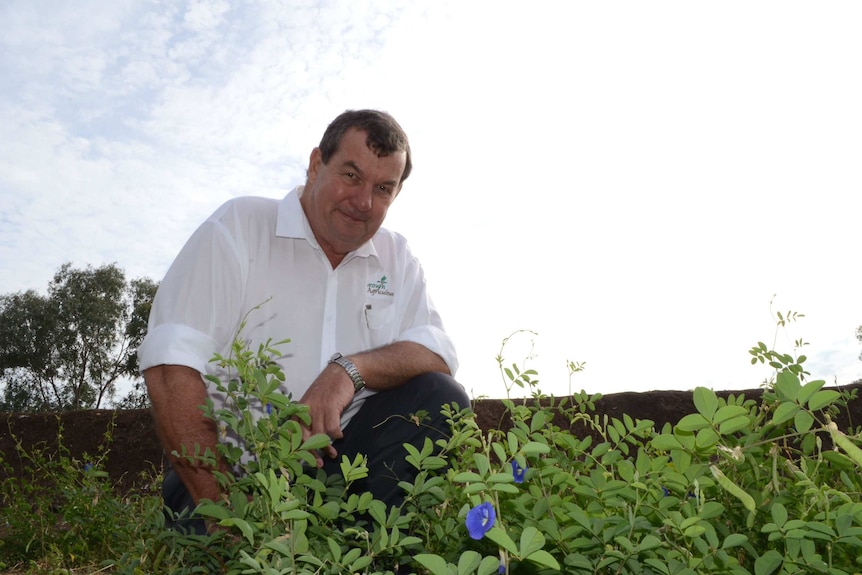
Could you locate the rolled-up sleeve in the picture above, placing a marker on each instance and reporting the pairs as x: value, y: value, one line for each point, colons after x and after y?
x: 176, y: 344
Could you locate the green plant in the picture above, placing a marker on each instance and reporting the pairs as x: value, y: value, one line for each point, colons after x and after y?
x: 740, y: 485
x: 281, y: 515
x: 63, y: 511
x: 737, y: 486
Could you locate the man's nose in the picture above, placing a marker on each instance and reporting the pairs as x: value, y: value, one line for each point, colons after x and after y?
x: 364, y: 198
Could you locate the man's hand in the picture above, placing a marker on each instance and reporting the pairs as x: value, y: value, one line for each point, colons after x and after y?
x: 327, y: 398
x: 382, y: 368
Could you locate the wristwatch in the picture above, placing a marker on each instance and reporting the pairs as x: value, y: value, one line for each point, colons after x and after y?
x: 350, y: 368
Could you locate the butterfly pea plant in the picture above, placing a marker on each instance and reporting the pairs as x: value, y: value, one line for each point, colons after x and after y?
x: 739, y: 486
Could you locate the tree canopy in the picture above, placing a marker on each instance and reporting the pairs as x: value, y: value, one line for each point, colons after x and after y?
x: 70, y: 348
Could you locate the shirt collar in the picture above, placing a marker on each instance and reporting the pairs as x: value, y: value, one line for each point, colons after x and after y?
x: 292, y: 223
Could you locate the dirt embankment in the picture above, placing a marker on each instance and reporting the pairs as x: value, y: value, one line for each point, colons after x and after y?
x: 134, y: 450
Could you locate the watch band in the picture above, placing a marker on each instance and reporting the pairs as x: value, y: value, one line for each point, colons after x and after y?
x: 350, y: 368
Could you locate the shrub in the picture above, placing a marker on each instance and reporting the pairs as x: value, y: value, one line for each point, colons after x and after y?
x: 736, y: 487
x: 64, y: 512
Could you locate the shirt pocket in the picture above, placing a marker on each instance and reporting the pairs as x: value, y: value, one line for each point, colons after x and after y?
x: 379, y: 323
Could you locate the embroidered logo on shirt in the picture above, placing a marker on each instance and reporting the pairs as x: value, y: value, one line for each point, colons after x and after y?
x: 379, y: 287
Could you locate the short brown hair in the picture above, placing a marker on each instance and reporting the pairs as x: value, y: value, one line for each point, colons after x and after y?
x: 384, y: 135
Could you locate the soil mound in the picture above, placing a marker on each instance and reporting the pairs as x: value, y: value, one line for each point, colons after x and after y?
x: 134, y: 453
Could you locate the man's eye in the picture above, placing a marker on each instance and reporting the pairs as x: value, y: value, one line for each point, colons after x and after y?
x: 350, y: 175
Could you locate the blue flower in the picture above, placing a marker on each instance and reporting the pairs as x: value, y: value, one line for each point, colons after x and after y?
x: 480, y: 519
x: 88, y: 467
x: 518, y: 471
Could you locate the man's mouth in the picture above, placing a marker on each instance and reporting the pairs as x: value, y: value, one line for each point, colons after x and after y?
x: 358, y: 218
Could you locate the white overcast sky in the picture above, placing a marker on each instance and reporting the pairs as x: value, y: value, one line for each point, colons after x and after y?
x: 633, y: 181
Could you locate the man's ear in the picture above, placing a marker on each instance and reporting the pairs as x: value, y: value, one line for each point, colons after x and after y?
x: 315, y: 163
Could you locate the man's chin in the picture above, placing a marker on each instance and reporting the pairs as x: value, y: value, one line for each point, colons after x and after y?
x: 354, y: 233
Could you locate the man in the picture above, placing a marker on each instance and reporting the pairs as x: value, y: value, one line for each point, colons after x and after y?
x: 366, y: 340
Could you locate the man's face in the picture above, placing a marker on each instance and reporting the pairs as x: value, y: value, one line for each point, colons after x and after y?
x: 346, y: 199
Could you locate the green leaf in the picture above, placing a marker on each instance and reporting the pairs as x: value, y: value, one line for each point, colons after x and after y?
x: 477, y: 487
x: 513, y: 442
x: 535, y: 448
x: 531, y: 540
x: 502, y: 539
x: 544, y: 558
x: 768, y: 563
x: 809, y: 389
x: 689, y: 521
x: 649, y: 542
x: 706, y: 438
x: 687, y: 441
x: 481, y: 462
x: 334, y: 549
x: 733, y: 425
x: 361, y: 563
x: 779, y: 514
x: 278, y: 547
x: 734, y: 540
x: 711, y: 509
x: 705, y: 401
x: 468, y: 562
x: 499, y: 451
x: 659, y: 565
x: 434, y: 563
x: 488, y: 566
x: 787, y: 386
x: 803, y: 421
x: 212, y: 510
x: 666, y: 442
x: 729, y: 412
x: 500, y: 478
x: 505, y: 488
x: 466, y: 477
x: 242, y: 525
x: 785, y: 412
x: 822, y: 399
x: 692, y: 422
x: 538, y: 421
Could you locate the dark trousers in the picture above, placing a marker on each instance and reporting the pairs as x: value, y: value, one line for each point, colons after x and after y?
x: 383, y: 424
x: 378, y: 430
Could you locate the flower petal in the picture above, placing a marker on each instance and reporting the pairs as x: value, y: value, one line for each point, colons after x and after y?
x: 518, y: 472
x: 480, y: 519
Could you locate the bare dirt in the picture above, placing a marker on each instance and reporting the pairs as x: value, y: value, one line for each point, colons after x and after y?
x: 134, y: 454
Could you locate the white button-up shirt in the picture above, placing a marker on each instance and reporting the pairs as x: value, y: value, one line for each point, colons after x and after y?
x: 256, y: 260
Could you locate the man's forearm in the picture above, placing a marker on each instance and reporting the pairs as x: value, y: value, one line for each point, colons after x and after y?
x: 176, y: 394
x: 394, y: 364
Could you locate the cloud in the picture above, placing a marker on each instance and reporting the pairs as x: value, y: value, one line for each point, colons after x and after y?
x: 632, y: 182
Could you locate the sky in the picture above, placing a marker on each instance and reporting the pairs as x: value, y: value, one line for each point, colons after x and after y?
x: 638, y: 186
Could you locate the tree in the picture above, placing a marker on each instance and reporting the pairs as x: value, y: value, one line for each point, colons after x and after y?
x: 859, y: 338
x: 69, y: 350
